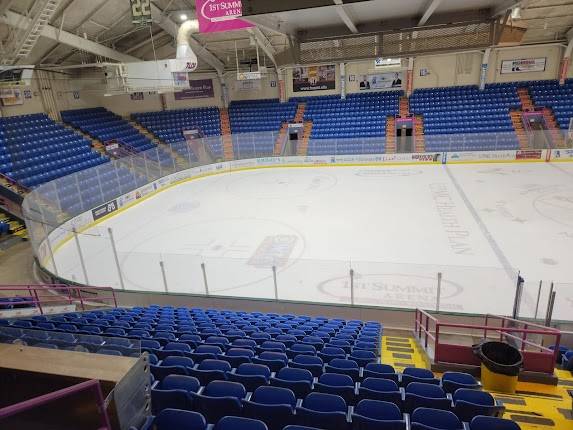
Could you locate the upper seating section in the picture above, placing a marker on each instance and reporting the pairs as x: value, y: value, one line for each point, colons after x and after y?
x: 358, y: 116
x: 34, y: 150
x: 260, y: 115
x: 168, y: 125
x: 558, y: 97
x: 466, y: 109
x: 104, y: 125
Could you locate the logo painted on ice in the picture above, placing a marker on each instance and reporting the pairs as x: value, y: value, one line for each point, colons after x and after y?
x: 393, y: 290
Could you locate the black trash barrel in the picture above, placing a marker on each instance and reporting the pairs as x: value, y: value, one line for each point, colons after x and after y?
x: 500, y: 366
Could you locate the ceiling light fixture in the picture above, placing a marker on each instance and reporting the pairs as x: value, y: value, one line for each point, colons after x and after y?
x: 516, y: 13
x: 183, y: 17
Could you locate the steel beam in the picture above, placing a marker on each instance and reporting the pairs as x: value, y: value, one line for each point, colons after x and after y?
x: 343, y: 14
x: 429, y: 11
x: 15, y: 20
x: 264, y: 43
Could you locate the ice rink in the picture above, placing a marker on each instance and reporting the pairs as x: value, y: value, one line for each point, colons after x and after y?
x: 395, y: 226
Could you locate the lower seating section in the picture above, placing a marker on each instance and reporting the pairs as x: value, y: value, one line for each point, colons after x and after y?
x: 114, y: 182
x: 240, y: 370
x: 358, y: 123
x: 558, y: 97
x: 168, y: 125
x: 104, y: 125
x: 247, y: 145
x: 359, y: 115
x: 34, y: 150
x: 482, y: 117
x: 260, y: 115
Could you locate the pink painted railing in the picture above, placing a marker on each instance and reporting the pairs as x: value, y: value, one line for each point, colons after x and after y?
x: 536, y: 356
x: 41, y: 296
x: 91, y: 385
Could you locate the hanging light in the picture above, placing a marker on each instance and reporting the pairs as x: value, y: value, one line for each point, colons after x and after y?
x: 183, y: 17
x: 516, y: 13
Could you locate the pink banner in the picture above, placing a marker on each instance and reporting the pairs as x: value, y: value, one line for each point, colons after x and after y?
x: 220, y: 15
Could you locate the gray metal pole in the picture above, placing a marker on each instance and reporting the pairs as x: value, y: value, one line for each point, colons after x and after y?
x: 110, y: 231
x: 538, y: 297
x: 205, y: 279
x: 275, y: 282
x: 162, y: 266
x: 517, y: 300
x: 352, y: 287
x: 550, y: 305
x: 82, y: 262
x: 439, y: 292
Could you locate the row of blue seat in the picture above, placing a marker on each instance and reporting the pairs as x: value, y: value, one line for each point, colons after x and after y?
x: 368, y: 415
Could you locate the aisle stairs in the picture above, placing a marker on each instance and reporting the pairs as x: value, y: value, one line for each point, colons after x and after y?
x: 228, y: 150
x: 390, y: 135
x: 520, y: 132
x: 553, y: 128
x: 419, y: 141
x: 279, y: 143
x: 299, y: 115
x: 302, y: 148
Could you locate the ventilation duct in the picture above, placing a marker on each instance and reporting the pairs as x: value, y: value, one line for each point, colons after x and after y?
x: 185, y: 55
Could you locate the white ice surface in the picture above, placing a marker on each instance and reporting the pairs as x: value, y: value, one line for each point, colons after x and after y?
x: 396, y: 226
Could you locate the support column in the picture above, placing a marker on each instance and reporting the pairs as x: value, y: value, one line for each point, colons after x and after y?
x: 484, y: 68
x: 410, y: 77
x: 224, y: 90
x: 565, y: 62
x: 281, y: 75
x: 342, y: 81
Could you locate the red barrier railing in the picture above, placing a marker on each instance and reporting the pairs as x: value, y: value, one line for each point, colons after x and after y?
x: 91, y: 385
x: 41, y: 296
x: 536, y: 356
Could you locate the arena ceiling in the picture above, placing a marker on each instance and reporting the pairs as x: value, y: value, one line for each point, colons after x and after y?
x: 88, y: 31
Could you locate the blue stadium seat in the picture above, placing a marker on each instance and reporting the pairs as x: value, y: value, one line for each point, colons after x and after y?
x: 377, y: 415
x: 492, y: 423
x: 250, y: 375
x: 414, y: 374
x: 210, y: 370
x: 171, y: 419
x: 219, y: 399
x: 421, y: 395
x: 273, y: 405
x: 379, y: 370
x: 238, y: 423
x: 469, y: 403
x: 336, y: 383
x: 435, y: 419
x: 380, y: 389
x: 298, y: 380
x: 325, y: 411
x: 309, y: 362
x: 452, y: 381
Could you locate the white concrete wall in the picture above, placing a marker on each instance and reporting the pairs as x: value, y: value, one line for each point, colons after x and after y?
x: 443, y: 70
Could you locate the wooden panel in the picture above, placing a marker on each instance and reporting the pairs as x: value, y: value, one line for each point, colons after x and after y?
x: 65, y: 363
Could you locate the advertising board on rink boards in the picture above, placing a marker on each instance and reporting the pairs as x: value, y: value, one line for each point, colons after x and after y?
x: 527, y: 155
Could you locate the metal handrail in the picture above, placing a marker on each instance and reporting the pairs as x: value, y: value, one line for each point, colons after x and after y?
x: 60, y: 292
x: 91, y: 385
x: 423, y: 319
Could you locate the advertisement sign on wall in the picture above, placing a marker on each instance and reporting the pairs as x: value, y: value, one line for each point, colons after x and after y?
x: 381, y: 81
x: 104, y: 210
x: 198, y: 89
x: 314, y: 78
x: 381, y: 62
x: 220, y: 15
x: 523, y: 65
x: 11, y: 97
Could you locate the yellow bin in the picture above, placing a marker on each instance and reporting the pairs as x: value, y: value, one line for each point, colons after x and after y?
x: 497, y: 382
x: 500, y: 366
